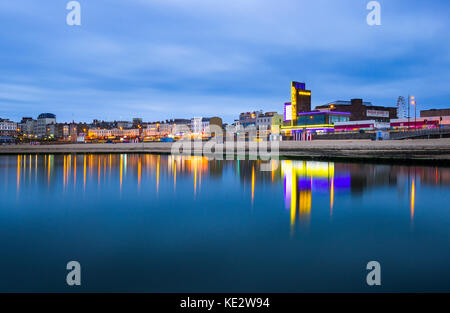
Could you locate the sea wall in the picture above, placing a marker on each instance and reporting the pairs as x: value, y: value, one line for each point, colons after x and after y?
x: 433, y: 150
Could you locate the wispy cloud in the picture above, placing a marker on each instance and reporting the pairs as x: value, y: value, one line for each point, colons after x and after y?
x: 177, y: 58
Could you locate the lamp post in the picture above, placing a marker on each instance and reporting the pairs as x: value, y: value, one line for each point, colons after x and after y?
x: 413, y: 102
x: 409, y: 105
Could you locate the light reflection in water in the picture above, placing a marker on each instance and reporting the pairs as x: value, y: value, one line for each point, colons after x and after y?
x: 69, y: 167
x: 195, y: 177
x: 175, y: 170
x: 299, y: 180
x: 253, y: 184
x: 200, y: 177
x: 98, y: 167
x: 18, y: 172
x: 74, y: 171
x: 157, y: 174
x: 29, y: 168
x: 121, y: 172
x: 139, y: 172
x: 50, y: 164
x: 302, y: 212
x: 64, y: 177
x: 413, y: 198
x: 332, y: 196
x: 84, y: 173
x: 302, y: 181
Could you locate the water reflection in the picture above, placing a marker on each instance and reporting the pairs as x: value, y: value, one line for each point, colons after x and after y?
x: 300, y: 178
x: 304, y: 183
x: 413, y: 199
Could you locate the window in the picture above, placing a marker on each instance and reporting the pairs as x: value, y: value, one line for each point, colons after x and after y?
x: 334, y: 119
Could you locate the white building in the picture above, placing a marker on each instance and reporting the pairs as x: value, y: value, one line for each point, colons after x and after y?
x: 113, y: 132
x: 43, y: 126
x: 196, y: 125
x: 354, y: 126
x: 7, y: 127
x: 267, y: 120
x: 100, y: 132
x: 28, y: 126
x: 204, y: 125
x: 165, y: 129
x: 151, y: 130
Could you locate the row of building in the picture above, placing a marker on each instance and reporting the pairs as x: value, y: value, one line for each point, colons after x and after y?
x: 355, y: 115
x: 45, y: 127
x: 297, y: 118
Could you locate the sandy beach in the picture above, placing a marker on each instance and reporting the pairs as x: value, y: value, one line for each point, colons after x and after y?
x: 431, y: 150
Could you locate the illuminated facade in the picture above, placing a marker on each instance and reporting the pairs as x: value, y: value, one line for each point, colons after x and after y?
x: 269, y: 123
x: 361, y: 110
x: 420, y: 123
x: 435, y: 112
x: 45, y: 125
x: 357, y: 126
x: 113, y: 132
x: 304, y: 178
x: 298, y: 117
x: 202, y: 125
x: 300, y: 100
x: 8, y: 127
x: 247, y: 119
x: 28, y: 126
x: 315, y: 121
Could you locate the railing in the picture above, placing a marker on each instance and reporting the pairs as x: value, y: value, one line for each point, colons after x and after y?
x: 419, y: 133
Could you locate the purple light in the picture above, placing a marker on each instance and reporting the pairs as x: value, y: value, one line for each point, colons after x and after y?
x: 343, y: 182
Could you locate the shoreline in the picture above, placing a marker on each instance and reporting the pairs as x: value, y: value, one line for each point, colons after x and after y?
x: 430, y: 151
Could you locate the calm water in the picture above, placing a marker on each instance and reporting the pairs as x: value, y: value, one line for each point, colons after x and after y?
x: 151, y: 223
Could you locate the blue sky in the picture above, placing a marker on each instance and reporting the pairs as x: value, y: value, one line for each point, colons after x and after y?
x: 161, y: 59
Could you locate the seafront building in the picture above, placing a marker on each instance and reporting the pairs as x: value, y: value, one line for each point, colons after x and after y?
x: 298, y: 117
x: 201, y: 126
x: 358, y: 126
x: 8, y: 128
x: 354, y: 115
x: 269, y: 120
x: 435, y: 112
x: 45, y: 126
x: 116, y: 132
x: 297, y: 122
x: 27, y: 126
x: 361, y: 111
x: 247, y: 119
x: 420, y: 122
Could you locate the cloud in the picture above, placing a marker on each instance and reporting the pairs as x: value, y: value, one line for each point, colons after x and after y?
x: 91, y: 104
x: 166, y: 58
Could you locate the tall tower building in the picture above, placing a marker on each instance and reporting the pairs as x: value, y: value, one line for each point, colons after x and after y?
x: 401, y: 107
x: 300, y: 100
